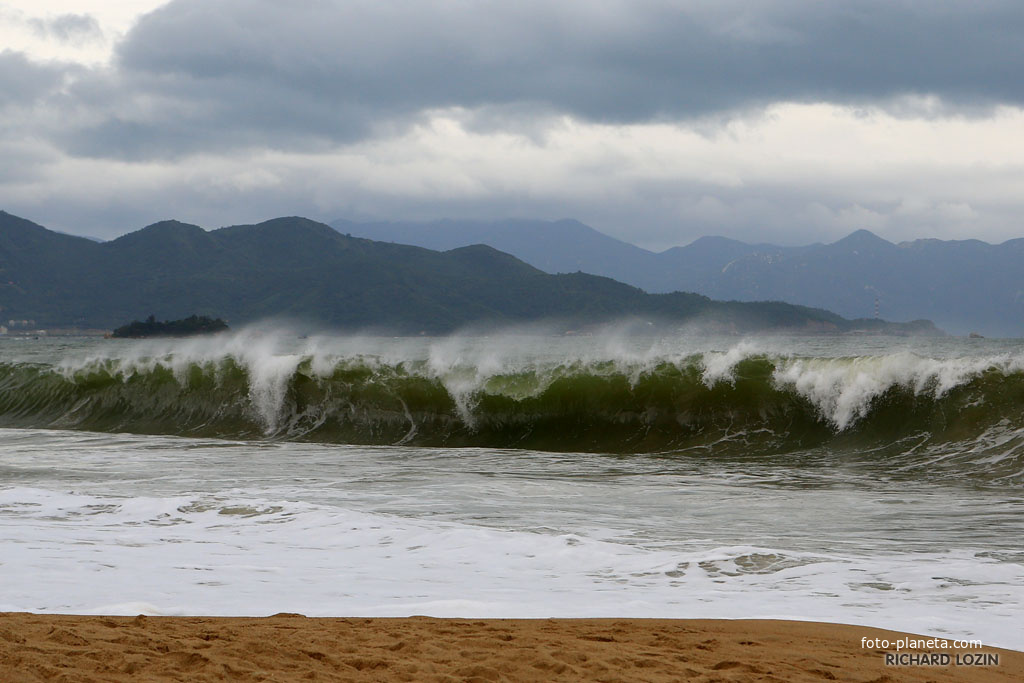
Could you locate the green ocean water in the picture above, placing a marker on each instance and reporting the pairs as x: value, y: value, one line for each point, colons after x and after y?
x: 954, y: 408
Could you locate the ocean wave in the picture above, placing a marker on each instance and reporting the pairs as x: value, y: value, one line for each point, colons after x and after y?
x: 604, y: 401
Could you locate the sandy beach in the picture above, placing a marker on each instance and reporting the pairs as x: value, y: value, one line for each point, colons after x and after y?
x: 289, y: 647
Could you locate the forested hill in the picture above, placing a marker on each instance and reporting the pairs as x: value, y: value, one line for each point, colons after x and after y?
x: 963, y: 285
x: 303, y: 269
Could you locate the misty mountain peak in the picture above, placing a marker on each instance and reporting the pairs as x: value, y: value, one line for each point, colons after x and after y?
x: 283, y: 231
x: 715, y: 241
x: 862, y: 239
x: 164, y: 232
x: 170, y: 226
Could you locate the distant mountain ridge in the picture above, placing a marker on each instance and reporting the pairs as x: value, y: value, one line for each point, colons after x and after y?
x: 299, y: 268
x: 962, y: 286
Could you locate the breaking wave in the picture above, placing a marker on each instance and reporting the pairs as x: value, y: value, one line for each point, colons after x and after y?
x: 733, y: 402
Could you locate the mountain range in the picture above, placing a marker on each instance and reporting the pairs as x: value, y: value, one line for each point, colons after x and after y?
x: 963, y: 286
x: 299, y: 268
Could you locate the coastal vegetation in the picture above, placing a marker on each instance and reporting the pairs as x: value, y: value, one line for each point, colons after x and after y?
x: 186, y: 327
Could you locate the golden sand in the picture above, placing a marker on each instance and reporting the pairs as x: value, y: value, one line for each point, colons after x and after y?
x: 290, y: 647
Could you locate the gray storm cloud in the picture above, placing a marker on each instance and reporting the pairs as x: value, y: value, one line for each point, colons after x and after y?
x: 605, y: 60
x: 201, y: 74
x: 68, y: 28
x: 24, y: 82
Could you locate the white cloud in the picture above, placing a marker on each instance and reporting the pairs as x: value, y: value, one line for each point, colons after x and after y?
x: 798, y: 173
x: 69, y: 30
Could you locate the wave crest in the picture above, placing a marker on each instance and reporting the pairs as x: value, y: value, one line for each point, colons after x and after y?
x: 499, y: 395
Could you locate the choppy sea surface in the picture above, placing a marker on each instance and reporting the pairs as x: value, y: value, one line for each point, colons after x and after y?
x: 861, y: 480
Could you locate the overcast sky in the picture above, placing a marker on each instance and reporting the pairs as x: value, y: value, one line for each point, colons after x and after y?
x: 651, y: 120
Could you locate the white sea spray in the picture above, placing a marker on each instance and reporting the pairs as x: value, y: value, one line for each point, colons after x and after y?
x: 719, y: 367
x: 843, y: 389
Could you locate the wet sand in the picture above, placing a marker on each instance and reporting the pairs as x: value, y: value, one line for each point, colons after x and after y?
x: 295, y: 648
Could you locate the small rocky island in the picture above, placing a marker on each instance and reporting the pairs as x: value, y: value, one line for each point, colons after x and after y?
x: 186, y: 327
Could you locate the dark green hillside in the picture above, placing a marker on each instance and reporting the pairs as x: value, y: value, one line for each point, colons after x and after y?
x: 304, y: 269
x: 186, y: 327
x: 963, y: 285
x: 38, y: 268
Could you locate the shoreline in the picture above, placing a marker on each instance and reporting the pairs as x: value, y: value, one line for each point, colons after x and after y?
x: 285, y: 647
